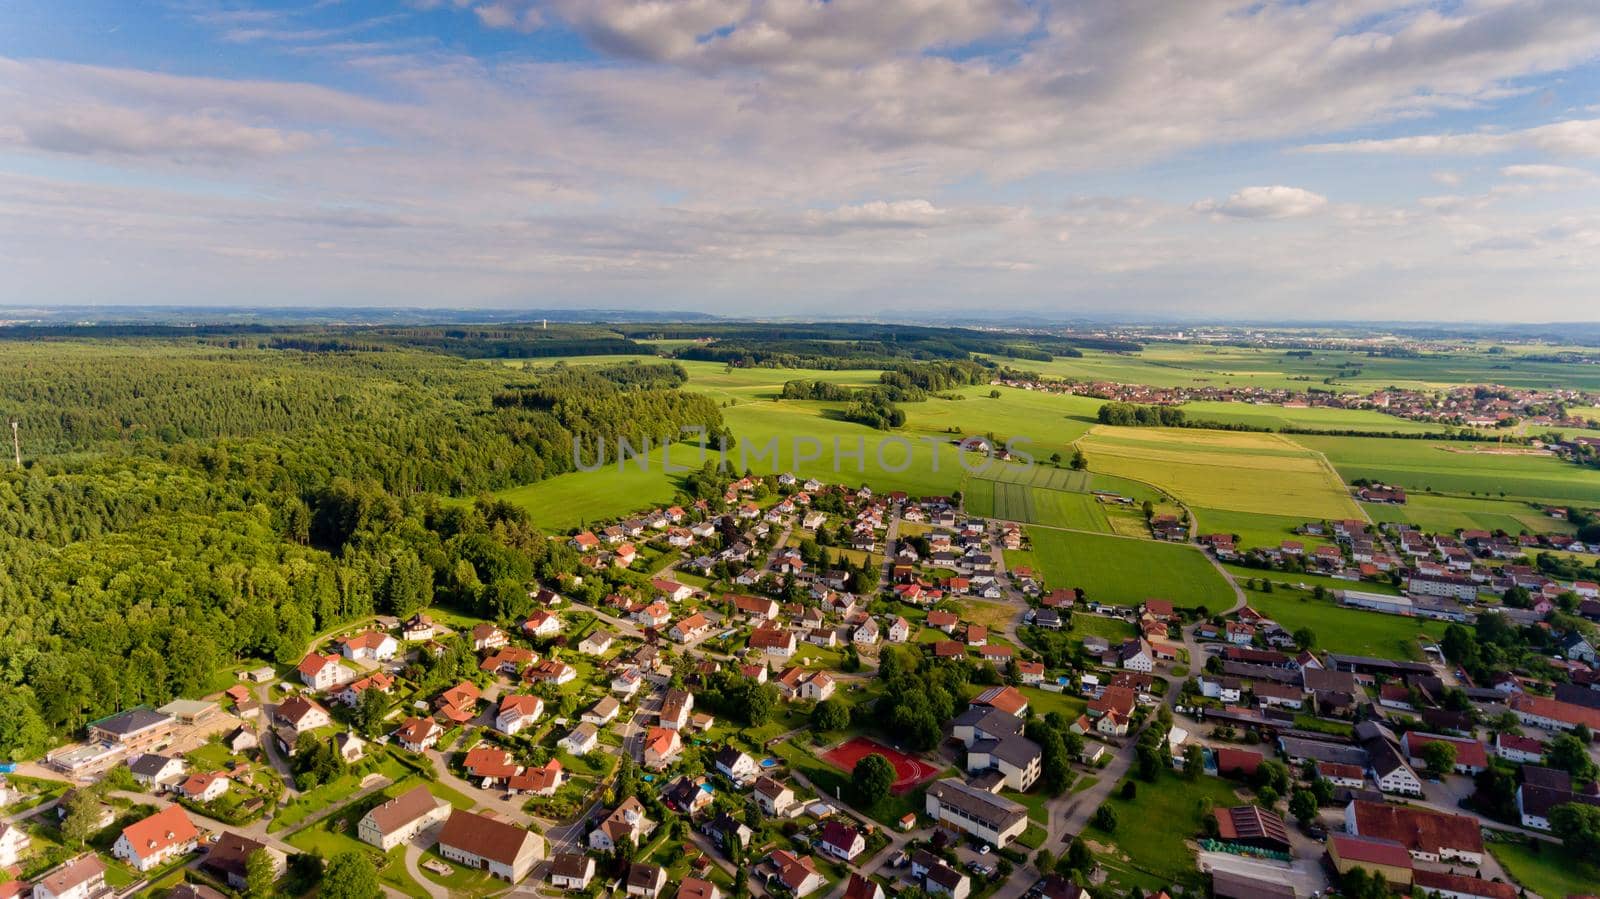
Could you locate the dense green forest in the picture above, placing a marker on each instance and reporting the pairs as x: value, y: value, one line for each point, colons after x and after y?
x: 183, y: 507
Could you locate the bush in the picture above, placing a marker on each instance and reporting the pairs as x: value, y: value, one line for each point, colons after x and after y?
x: 1129, y: 789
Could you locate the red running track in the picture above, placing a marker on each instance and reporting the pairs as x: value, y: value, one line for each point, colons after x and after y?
x: 909, y: 771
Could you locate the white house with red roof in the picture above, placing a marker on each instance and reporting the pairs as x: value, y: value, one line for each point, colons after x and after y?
x: 323, y: 672
x: 517, y: 711
x: 375, y: 646
x: 153, y: 841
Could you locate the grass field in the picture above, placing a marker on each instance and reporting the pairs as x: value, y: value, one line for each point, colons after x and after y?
x: 1552, y: 872
x: 1050, y: 495
x: 1317, y: 417
x: 1231, y: 471
x: 1254, y: 529
x: 1350, y: 631
x: 1124, y: 571
x: 1153, y: 828
x: 1446, y: 514
x: 1458, y: 468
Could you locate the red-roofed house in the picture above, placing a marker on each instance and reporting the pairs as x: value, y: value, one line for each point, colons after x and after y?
x: 151, y: 842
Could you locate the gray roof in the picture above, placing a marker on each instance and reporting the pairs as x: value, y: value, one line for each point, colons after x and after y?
x: 1344, y: 754
x: 149, y: 764
x: 994, y: 811
x: 132, y: 721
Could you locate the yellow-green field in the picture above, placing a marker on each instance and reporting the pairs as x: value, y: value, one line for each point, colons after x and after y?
x: 1225, y: 470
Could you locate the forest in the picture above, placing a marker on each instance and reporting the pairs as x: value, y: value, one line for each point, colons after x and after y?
x: 184, y: 507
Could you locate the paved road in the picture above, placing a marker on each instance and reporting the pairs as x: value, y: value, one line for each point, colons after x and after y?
x: 414, y: 850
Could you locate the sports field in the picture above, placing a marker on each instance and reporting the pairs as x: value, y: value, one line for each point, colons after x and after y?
x: 1126, y: 571
x: 1459, y: 468
x: 908, y: 770
x: 1231, y: 471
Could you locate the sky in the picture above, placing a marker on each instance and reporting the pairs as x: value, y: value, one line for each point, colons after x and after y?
x: 1203, y: 159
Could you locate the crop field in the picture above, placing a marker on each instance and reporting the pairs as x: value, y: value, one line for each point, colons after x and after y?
x: 1232, y: 471
x: 1458, y: 468
x: 1339, y: 629
x: 1126, y: 571
x: 1445, y: 514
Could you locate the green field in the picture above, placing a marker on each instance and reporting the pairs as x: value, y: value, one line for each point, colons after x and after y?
x: 1338, y: 629
x: 1254, y: 529
x: 1126, y: 571
x: 1458, y: 468
x: 1153, y: 829
x: 1552, y: 872
x: 1233, y: 471
x: 1446, y: 514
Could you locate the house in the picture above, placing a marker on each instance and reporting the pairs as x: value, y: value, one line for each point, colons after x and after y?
x: 675, y: 709
x: 774, y: 641
x: 1553, y: 714
x: 1113, y: 700
x: 158, y: 838
x: 377, y: 680
x: 688, y: 795
x: 240, y: 739
x: 755, y: 608
x: 796, y: 874
x: 504, y: 850
x: 228, y: 857
x: 323, y: 672
x: 899, y: 630
x: 774, y: 798
x: 735, y: 765
x: 937, y: 877
x: 397, y: 820
x: 541, y: 625
x: 1449, y: 885
x: 516, y: 712
x: 374, y: 646
x: 205, y: 786
x: 597, y: 643
x: 603, y: 712
x: 487, y: 636
x: 14, y: 843
x: 418, y: 734
x: 301, y: 714
x: 1134, y: 655
x: 550, y: 671
x: 508, y: 660
x: 1471, y: 756
x: 459, y: 703
x: 1517, y: 748
x: 625, y: 824
x: 155, y: 771
x: 661, y: 746
x: 571, y: 871
x: 690, y: 628
x: 418, y: 627
x: 841, y: 840
x: 645, y: 881
x: 1007, y: 699
x: 489, y: 766
x: 1428, y: 835
x: 653, y: 615
x: 83, y: 877
x: 541, y: 781
x: 798, y: 683
x: 867, y: 633
x: 1241, y: 762
x: 861, y: 887
x: 977, y: 813
x: 1226, y: 689
x: 582, y: 739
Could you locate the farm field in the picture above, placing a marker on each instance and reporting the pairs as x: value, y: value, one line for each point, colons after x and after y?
x: 1233, y: 471
x: 1445, y: 514
x: 1254, y: 529
x: 1125, y: 571
x: 1351, y: 631
x: 1451, y: 467
x: 1242, y: 573
x: 1035, y: 505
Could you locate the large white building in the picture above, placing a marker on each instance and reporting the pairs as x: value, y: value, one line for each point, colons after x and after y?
x: 401, y: 818
x: 976, y: 813
x: 504, y: 850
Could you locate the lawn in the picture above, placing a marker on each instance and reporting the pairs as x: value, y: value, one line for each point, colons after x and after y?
x: 1115, y: 630
x: 1551, y: 871
x: 1458, y: 468
x: 1154, y: 826
x: 1233, y: 471
x: 1045, y: 701
x: 313, y: 801
x: 1125, y: 571
x: 1343, y: 630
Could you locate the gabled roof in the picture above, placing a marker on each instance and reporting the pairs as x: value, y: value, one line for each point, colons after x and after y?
x: 162, y: 830
x: 484, y: 837
x: 403, y: 809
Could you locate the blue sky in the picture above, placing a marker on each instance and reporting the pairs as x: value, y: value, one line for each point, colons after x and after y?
x: 1364, y: 159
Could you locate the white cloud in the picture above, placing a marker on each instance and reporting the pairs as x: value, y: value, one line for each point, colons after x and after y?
x: 1275, y: 202
x: 1575, y: 137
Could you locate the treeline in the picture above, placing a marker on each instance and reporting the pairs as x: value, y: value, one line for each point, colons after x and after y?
x: 904, y: 383
x: 1134, y: 415
x: 845, y: 345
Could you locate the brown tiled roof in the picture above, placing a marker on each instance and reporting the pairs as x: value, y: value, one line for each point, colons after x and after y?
x: 484, y: 837
x: 1418, y: 829
x: 403, y: 809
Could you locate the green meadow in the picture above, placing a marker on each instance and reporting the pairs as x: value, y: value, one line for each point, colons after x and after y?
x: 1459, y: 468
x: 1123, y: 570
x: 1339, y: 629
x: 1254, y: 529
x: 1446, y: 514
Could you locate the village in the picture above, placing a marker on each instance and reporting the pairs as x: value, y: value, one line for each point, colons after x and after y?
x: 745, y: 710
